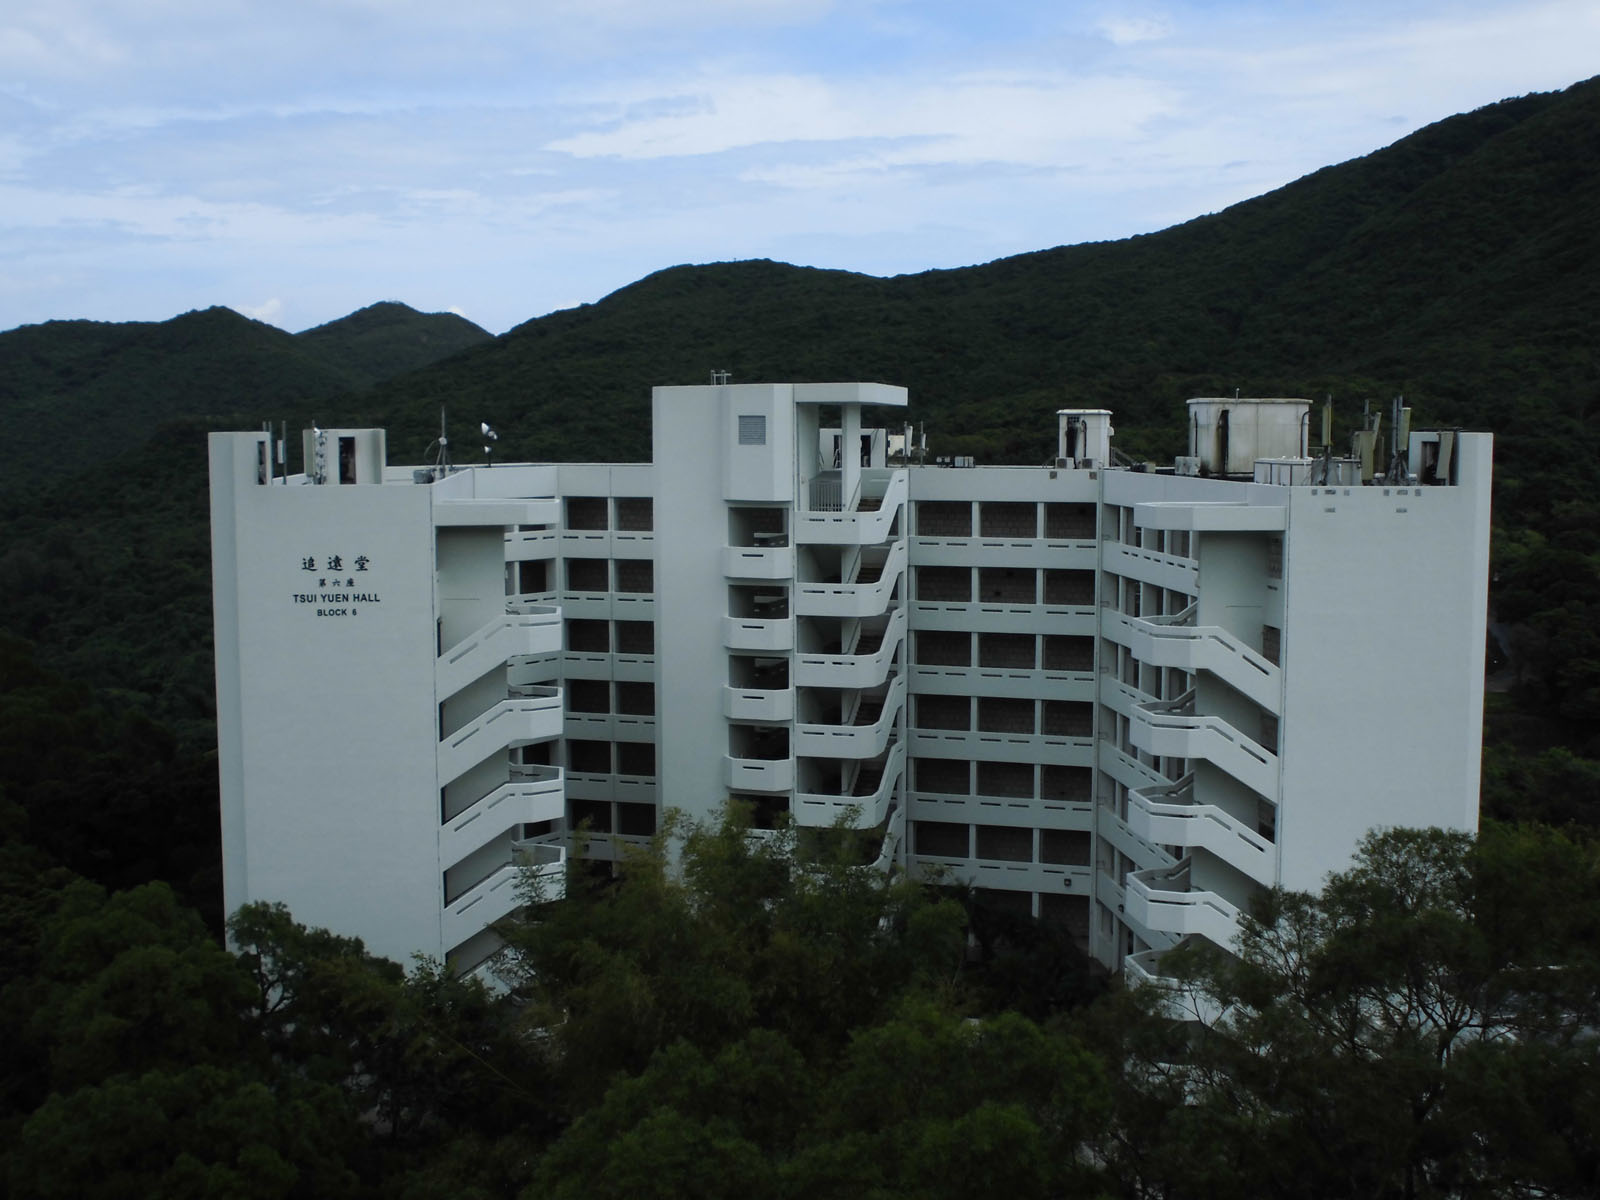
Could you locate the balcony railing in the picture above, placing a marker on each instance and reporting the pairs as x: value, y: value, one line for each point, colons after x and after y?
x: 758, y: 562
x: 875, y: 788
x: 524, y: 631
x: 866, y: 523
x: 530, y: 714
x: 751, y: 633
x: 1208, y: 648
x: 759, y: 774
x: 753, y: 704
x: 857, y: 739
x: 858, y: 670
x: 1170, y: 816
x: 501, y: 891
x: 859, y: 599
x: 1161, y: 899
x: 1174, y: 730
x: 532, y: 794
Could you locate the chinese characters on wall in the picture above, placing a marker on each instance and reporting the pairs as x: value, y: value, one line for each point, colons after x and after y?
x: 335, y: 577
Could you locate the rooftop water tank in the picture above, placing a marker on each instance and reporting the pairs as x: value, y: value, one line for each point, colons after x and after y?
x: 1084, y: 437
x: 1229, y: 435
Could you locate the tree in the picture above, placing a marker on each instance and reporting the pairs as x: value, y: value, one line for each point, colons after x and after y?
x: 1397, y: 1035
x: 738, y: 933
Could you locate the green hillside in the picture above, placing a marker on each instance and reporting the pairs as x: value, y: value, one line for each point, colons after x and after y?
x: 76, y: 392
x: 385, y: 339
x: 1457, y: 266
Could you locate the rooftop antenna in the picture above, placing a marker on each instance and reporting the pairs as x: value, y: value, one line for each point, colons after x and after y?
x: 319, y: 458
x: 1399, y: 437
x: 440, y: 447
x: 490, y: 437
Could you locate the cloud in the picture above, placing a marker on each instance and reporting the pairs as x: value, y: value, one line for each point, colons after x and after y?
x: 998, y: 116
x: 267, y: 310
x: 156, y: 155
x: 1125, y: 31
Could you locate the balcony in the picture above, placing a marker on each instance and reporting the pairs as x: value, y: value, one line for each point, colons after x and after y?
x: 859, y: 599
x: 873, y: 724
x: 1160, y: 900
x: 867, y: 667
x: 532, y: 794
x: 1210, y: 515
x: 883, y: 494
x: 753, y: 634
x: 504, y: 890
x: 1170, y: 816
x: 1208, y: 648
x: 494, y: 510
x: 758, y: 562
x: 1173, y: 730
x: 759, y: 774
x: 531, y: 714
x: 528, y: 545
x: 525, y: 631
x: 1151, y: 566
x: 1180, y: 1001
x: 872, y: 793
x: 750, y: 704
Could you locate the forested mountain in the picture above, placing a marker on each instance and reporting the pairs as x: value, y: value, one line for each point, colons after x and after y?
x: 387, y: 339
x: 1460, y: 267
x: 78, y: 392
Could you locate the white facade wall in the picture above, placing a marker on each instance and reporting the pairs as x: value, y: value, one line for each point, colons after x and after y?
x: 1116, y: 700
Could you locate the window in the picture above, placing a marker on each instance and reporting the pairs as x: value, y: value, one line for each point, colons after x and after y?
x: 942, y: 839
x: 1067, y: 847
x: 588, y: 637
x: 944, y: 583
x: 944, y: 712
x: 586, y: 512
x: 636, y: 820
x: 636, y: 637
x: 635, y: 575
x: 636, y: 699
x: 636, y: 758
x: 1004, y: 843
x: 635, y: 513
x: 588, y: 696
x: 1005, y: 779
x: 595, y: 815
x: 942, y: 648
x: 944, y: 518
x: 1007, y: 518
x: 588, y: 758
x: 1001, y: 714
x: 587, y: 575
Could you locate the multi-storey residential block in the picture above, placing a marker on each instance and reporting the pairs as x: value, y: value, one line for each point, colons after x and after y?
x: 1122, y: 700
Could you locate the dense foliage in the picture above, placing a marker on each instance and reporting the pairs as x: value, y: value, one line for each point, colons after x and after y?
x: 81, y: 392
x: 1423, y: 1028
x: 731, y: 1022
x: 1459, y: 266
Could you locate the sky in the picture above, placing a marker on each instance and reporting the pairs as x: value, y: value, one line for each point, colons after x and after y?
x: 299, y: 159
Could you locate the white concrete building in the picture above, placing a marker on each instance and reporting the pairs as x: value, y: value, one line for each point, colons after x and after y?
x: 1122, y: 700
